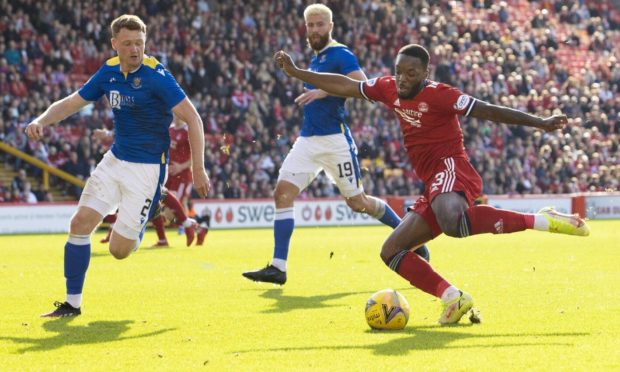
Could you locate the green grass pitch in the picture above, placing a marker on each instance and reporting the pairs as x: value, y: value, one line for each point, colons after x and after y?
x: 548, y: 302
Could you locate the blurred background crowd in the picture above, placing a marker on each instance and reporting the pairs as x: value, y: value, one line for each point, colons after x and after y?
x: 544, y: 57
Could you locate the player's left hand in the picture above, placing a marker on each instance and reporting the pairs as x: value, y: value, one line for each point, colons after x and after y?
x: 201, y: 182
x: 310, y: 95
x: 285, y: 62
x: 554, y: 122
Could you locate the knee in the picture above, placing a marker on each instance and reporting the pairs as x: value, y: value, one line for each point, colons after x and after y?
x: 388, y: 251
x: 385, y: 257
x: 283, y: 199
x: 449, y: 224
x: 80, y: 224
x: 119, y: 254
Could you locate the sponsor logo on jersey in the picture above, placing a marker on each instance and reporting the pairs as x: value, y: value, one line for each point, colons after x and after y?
x: 423, y: 107
x: 371, y: 82
x: 112, y: 79
x: 397, y: 102
x: 117, y: 100
x: 323, y: 58
x: 136, y: 83
x: 462, y: 102
x: 161, y: 71
x: 413, y: 117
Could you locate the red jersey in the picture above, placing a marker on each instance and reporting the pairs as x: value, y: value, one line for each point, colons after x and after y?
x: 428, y: 121
x: 179, y: 153
x: 179, y: 144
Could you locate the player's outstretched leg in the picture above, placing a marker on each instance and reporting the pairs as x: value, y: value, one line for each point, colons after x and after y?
x: 482, y: 219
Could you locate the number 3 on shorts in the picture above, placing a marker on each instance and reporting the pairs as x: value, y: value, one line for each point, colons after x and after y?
x: 439, y: 178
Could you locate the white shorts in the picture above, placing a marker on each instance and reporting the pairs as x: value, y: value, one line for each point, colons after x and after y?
x: 334, y: 153
x: 132, y: 188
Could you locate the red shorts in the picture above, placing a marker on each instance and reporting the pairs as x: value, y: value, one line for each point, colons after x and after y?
x: 180, y: 184
x: 450, y: 175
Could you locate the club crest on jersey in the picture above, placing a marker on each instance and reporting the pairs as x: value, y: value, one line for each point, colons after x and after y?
x: 136, y: 83
x: 423, y: 107
x: 462, y: 102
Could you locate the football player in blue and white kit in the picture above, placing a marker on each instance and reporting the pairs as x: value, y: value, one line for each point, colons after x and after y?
x: 143, y: 95
x: 325, y: 144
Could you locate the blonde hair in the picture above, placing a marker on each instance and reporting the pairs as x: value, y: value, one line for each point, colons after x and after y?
x: 318, y: 9
x: 128, y: 21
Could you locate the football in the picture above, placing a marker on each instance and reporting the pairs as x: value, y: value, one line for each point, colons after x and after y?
x: 387, y: 309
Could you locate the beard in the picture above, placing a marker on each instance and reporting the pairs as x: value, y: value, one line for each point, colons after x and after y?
x: 318, y: 44
x: 412, y: 93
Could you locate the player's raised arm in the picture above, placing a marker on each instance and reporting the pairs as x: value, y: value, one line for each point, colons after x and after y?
x: 55, y: 113
x: 507, y: 115
x: 186, y: 111
x: 333, y: 84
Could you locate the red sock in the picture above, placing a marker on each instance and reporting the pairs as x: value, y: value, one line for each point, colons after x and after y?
x: 485, y: 219
x: 158, y: 222
x: 421, y: 275
x: 173, y: 203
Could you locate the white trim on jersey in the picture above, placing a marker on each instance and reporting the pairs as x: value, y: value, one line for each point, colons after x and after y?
x: 450, y: 175
x: 471, y: 106
x: 361, y: 88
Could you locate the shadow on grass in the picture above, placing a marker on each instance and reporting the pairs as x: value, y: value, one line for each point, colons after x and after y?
x: 286, y: 303
x: 441, y: 337
x: 67, y: 335
x: 141, y: 250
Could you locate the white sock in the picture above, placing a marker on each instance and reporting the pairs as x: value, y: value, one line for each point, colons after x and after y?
x: 74, y: 300
x: 541, y: 223
x: 279, y: 263
x: 189, y: 222
x: 450, y: 294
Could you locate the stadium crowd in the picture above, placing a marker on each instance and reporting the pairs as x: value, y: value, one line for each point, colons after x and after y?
x: 543, y: 57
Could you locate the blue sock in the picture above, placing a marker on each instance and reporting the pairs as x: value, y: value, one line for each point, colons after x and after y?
x: 390, y: 217
x: 282, y: 231
x: 77, y: 258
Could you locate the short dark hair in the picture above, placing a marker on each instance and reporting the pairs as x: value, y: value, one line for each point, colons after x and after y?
x: 417, y: 51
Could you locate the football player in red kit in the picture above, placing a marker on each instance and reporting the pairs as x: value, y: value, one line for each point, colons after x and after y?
x: 428, y: 113
x: 179, y: 184
x: 179, y: 172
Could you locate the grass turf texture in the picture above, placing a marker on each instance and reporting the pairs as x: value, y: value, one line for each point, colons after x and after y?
x: 548, y: 302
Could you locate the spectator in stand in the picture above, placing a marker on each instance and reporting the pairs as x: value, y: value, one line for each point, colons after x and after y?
x: 524, y: 45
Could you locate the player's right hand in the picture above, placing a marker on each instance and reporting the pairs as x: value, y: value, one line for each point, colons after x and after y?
x: 285, y: 62
x: 34, y: 131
